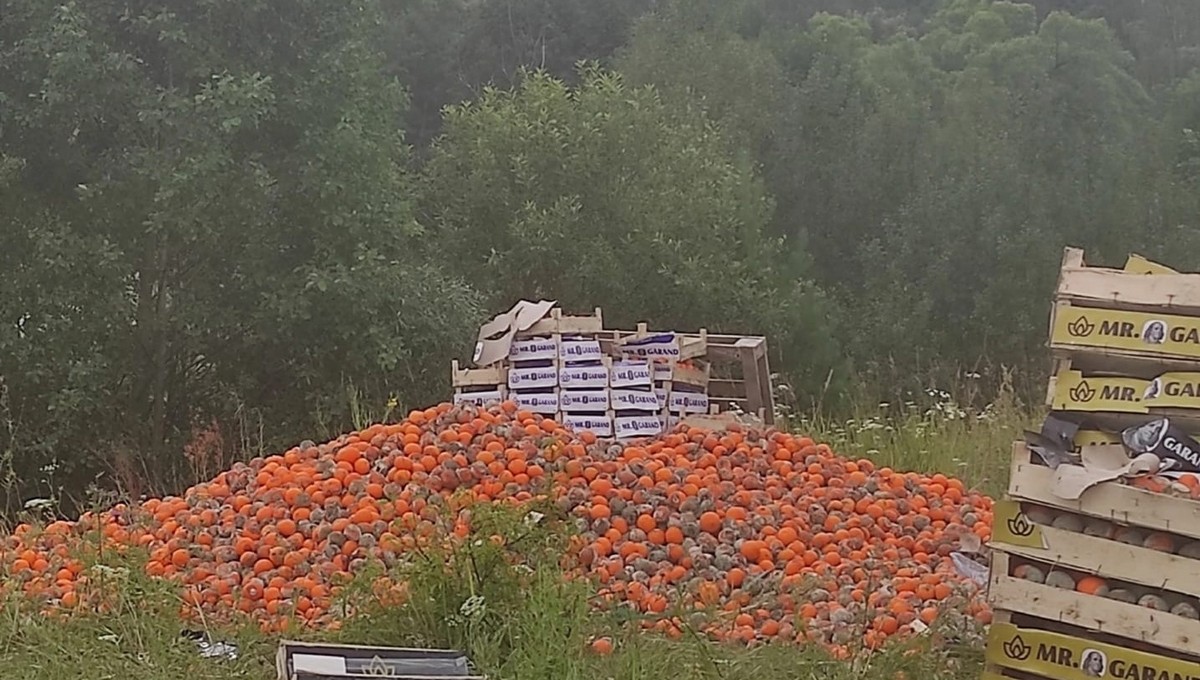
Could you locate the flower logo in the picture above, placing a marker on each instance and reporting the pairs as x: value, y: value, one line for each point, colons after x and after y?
x: 377, y: 668
x: 1082, y: 392
x: 1020, y: 525
x: 1016, y: 649
x: 1081, y: 327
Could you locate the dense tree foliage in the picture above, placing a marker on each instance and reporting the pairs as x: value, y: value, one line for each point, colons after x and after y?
x: 206, y: 219
x: 224, y: 225
x: 604, y: 193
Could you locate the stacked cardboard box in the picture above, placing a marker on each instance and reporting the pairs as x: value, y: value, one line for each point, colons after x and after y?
x: 615, y: 383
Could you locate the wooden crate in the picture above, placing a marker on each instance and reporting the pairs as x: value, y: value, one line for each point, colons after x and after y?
x: 1078, y: 542
x: 1102, y: 317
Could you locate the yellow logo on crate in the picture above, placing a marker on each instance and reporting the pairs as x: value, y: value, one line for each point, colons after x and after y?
x: 1073, y: 392
x: 1173, y: 390
x: 1069, y: 658
x: 1011, y: 526
x: 1161, y: 334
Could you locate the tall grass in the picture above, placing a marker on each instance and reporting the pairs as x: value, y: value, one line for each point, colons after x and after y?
x: 955, y: 431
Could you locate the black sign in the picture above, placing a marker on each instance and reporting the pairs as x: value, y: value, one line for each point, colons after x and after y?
x: 1166, y: 441
x: 302, y: 661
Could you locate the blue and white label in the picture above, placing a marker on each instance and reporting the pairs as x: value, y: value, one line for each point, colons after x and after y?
x: 632, y: 374
x: 532, y: 378
x: 537, y: 402
x: 634, y: 400
x: 661, y: 393
x: 661, y: 346
x: 534, y: 348
x: 580, y: 350
x: 600, y: 426
x: 583, y: 400
x: 478, y: 398
x: 583, y: 377
x: 638, y: 426
x: 689, y: 402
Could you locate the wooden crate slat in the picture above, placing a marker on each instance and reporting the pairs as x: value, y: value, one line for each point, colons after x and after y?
x: 1116, y: 502
x: 563, y: 324
x: 1100, y: 361
x: 1112, y: 559
x: 1116, y: 289
x: 1113, y: 403
x: 477, y: 377
x: 1072, y: 390
x: 1057, y: 655
x: 1077, y: 330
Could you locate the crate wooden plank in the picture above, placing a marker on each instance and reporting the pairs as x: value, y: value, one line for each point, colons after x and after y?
x: 1109, y: 558
x: 563, y: 324
x: 1115, y: 362
x: 1051, y: 654
x: 690, y: 375
x: 725, y: 388
x: 1114, y: 403
x: 1112, y: 501
x: 1145, y: 336
x: 1090, y: 612
x: 477, y: 377
x: 1073, y: 390
x: 1116, y: 289
x: 1189, y: 420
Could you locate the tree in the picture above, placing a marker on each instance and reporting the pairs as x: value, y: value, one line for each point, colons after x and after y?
x: 447, y: 51
x: 229, y: 178
x: 603, y: 195
x: 1037, y: 148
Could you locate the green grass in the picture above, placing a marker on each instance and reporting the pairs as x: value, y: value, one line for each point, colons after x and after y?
x: 530, y: 623
x: 935, y: 434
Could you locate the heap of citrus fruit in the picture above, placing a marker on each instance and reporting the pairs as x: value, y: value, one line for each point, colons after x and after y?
x: 768, y: 534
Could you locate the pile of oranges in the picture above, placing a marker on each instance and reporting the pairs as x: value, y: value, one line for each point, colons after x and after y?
x: 769, y: 535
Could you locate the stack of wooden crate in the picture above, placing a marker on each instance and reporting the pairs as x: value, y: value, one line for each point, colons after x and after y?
x: 622, y: 383
x: 1106, y: 584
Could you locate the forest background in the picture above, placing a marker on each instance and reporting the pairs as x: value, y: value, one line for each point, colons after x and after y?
x: 226, y: 226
